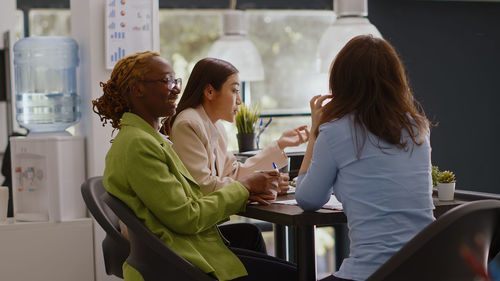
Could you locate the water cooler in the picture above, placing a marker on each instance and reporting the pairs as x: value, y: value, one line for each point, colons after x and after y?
x: 48, y: 170
x: 48, y: 165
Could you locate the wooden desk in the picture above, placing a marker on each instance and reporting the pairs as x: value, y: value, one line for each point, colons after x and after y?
x: 304, y: 225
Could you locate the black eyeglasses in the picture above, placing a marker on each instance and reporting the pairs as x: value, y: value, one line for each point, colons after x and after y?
x: 171, y: 82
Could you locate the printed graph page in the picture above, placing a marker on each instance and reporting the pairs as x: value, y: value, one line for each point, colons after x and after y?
x: 129, y: 28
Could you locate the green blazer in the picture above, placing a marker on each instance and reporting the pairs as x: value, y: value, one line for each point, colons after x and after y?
x: 145, y: 173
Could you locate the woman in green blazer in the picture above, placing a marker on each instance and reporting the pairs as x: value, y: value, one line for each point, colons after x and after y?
x: 145, y: 173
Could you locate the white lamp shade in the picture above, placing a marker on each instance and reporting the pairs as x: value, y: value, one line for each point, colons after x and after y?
x: 338, y: 34
x: 241, y: 53
x: 235, y: 47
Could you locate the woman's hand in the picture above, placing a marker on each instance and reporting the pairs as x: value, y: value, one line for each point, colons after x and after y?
x: 283, y: 185
x: 260, y: 198
x: 317, y: 109
x: 261, y: 182
x: 316, y: 104
x: 264, y: 197
x: 293, y: 137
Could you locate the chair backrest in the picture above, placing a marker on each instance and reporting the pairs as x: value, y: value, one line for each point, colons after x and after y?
x: 148, y: 254
x: 115, y: 246
x: 457, y: 246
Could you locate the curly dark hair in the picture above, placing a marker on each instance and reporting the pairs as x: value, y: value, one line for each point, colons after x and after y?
x: 115, y: 99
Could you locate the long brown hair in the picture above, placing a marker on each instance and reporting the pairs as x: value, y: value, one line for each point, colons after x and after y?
x: 208, y: 71
x: 115, y: 99
x: 368, y: 79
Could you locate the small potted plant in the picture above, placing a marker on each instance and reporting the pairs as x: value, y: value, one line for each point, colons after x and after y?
x: 446, y: 185
x: 246, y: 123
x: 435, y: 175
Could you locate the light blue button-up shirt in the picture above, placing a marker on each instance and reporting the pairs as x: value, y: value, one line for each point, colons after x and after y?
x: 386, y: 194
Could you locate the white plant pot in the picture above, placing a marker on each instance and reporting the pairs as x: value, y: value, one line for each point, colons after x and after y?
x: 446, y: 191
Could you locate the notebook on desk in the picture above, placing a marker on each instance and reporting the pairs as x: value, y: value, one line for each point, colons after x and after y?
x: 332, y: 204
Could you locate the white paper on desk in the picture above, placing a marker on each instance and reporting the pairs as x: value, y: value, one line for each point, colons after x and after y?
x: 332, y: 204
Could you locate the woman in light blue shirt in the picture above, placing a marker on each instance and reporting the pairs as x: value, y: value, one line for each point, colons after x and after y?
x: 369, y: 145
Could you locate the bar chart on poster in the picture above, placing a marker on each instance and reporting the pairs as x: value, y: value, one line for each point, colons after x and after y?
x: 129, y: 28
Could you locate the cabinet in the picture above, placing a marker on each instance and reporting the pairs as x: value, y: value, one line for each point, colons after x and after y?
x: 46, y: 251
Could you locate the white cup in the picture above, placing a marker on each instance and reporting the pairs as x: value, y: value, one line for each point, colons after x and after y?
x: 275, y: 193
x: 4, y: 203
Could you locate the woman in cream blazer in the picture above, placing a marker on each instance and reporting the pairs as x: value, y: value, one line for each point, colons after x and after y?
x: 199, y: 138
x: 202, y: 146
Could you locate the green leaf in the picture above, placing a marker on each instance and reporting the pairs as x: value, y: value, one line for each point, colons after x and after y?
x: 446, y: 177
x: 246, y: 119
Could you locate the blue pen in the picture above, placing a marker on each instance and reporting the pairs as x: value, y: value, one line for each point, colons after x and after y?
x: 275, y: 191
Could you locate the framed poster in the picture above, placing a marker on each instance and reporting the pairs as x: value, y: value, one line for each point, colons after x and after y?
x: 130, y: 27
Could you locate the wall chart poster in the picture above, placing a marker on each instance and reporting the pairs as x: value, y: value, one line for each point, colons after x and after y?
x: 129, y: 28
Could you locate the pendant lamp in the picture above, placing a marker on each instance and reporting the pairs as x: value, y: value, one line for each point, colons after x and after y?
x: 235, y: 47
x: 351, y: 21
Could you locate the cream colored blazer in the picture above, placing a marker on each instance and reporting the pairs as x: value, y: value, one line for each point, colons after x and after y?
x: 202, y: 147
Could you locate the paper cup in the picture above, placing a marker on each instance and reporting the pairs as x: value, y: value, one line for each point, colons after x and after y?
x: 275, y: 193
x: 4, y: 202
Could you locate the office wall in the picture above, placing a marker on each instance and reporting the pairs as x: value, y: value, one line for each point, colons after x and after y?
x: 7, y: 23
x: 452, y: 54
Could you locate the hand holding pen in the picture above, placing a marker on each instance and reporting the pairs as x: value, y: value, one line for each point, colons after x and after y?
x: 275, y: 190
x: 283, y: 184
x: 261, y: 184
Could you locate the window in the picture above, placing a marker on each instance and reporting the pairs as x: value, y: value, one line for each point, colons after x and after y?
x: 19, y: 24
x: 50, y: 22
x: 286, y: 41
x: 186, y: 37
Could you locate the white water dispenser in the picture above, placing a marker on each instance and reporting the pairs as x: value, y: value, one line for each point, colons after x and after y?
x: 48, y: 170
x: 48, y: 166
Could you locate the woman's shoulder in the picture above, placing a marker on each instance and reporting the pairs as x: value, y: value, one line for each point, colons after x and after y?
x: 339, y: 124
x: 189, y: 121
x: 189, y: 117
x: 133, y: 138
x: 188, y: 114
x: 336, y: 132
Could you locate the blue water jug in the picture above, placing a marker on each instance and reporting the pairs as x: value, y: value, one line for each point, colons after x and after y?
x: 45, y: 79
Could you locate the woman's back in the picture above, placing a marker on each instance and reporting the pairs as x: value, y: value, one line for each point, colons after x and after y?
x: 386, y: 194
x: 372, y: 150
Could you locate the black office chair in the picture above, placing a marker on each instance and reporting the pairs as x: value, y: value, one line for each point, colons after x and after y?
x: 455, y: 247
x: 115, y: 246
x: 148, y: 254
